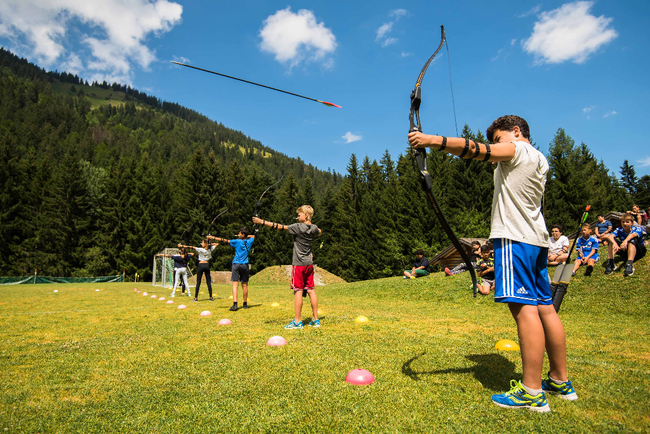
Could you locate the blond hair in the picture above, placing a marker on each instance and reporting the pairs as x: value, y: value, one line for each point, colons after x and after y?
x: 307, y: 209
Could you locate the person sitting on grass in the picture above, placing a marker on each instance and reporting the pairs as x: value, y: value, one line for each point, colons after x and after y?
x: 639, y: 216
x: 521, y: 243
x: 203, y: 269
x: 240, y: 269
x: 558, y: 250
x: 587, y: 249
x: 603, y: 227
x: 302, y: 270
x: 485, y: 273
x: 626, y: 241
x: 420, y: 266
x: 474, y: 257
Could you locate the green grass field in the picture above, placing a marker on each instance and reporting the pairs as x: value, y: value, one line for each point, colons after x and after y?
x: 82, y: 360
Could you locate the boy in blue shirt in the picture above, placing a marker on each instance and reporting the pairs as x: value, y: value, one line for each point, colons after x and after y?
x: 603, y: 227
x: 587, y: 248
x: 240, y: 269
x: 627, y: 241
x: 521, y: 245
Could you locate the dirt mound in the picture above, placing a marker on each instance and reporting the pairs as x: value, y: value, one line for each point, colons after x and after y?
x: 218, y: 278
x: 282, y: 274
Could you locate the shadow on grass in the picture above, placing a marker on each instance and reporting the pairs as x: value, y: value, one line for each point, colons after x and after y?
x: 493, y: 371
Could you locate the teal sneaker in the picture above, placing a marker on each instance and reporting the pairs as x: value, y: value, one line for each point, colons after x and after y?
x: 517, y: 397
x: 314, y: 323
x: 564, y: 390
x: 294, y: 325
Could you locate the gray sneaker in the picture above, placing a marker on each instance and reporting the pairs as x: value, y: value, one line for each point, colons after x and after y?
x: 629, y: 270
x: 609, y: 267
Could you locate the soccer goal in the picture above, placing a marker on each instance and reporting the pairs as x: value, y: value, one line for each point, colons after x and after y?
x: 163, y: 269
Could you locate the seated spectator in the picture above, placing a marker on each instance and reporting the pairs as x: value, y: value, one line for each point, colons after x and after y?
x: 420, y: 266
x: 626, y: 241
x: 639, y: 216
x: 587, y: 249
x: 485, y: 271
x: 603, y: 227
x: 558, y: 246
x: 474, y: 257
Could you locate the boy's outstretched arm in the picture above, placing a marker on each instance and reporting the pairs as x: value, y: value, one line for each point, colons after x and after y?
x: 218, y: 239
x: 504, y: 150
x: 278, y: 226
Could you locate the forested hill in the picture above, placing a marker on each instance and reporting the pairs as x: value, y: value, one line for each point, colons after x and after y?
x: 98, y: 178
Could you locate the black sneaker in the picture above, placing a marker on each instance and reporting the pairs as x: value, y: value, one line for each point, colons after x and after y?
x: 234, y: 307
x: 589, y: 270
x: 629, y: 270
x: 245, y: 306
x: 195, y: 299
x: 211, y: 298
x: 609, y: 267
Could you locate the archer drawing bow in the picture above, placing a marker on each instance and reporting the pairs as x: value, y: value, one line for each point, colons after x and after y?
x: 421, y: 159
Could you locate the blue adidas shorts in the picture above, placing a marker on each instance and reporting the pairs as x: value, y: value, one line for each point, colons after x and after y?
x: 520, y: 273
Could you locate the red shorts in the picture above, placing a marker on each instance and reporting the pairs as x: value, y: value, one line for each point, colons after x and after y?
x: 302, y: 277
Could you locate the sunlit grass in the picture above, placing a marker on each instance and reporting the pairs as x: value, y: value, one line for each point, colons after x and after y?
x: 116, y: 361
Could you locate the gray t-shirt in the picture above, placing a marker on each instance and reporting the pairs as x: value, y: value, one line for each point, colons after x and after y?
x: 303, y: 235
x: 518, y: 189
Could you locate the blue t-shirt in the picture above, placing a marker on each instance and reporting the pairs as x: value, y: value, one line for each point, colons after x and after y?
x: 242, y: 249
x: 621, y: 235
x: 586, y: 246
x: 602, y: 227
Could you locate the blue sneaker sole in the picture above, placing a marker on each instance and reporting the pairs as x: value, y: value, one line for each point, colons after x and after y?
x: 544, y: 409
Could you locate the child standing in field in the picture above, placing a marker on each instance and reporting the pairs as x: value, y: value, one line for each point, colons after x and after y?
x: 240, y: 270
x: 302, y: 270
x: 203, y: 269
x: 520, y: 254
x: 180, y: 270
x: 587, y: 248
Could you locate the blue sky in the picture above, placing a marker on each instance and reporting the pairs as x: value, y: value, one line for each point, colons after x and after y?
x: 580, y: 66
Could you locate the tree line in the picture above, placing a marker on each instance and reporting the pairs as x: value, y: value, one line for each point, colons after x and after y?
x: 90, y: 192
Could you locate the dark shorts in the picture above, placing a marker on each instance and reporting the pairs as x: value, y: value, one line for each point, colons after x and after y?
x: 240, y: 273
x: 302, y: 277
x: 640, y: 249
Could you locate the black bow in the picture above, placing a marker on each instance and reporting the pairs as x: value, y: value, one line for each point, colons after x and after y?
x: 421, y: 159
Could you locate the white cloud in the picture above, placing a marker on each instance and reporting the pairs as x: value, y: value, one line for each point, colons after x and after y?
x: 405, y: 54
x: 398, y: 13
x: 120, y: 29
x: 569, y: 33
x: 612, y: 113
x: 388, y: 41
x: 588, y: 109
x: 644, y: 162
x: 530, y: 12
x: 383, y: 29
x: 349, y: 137
x: 296, y: 37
